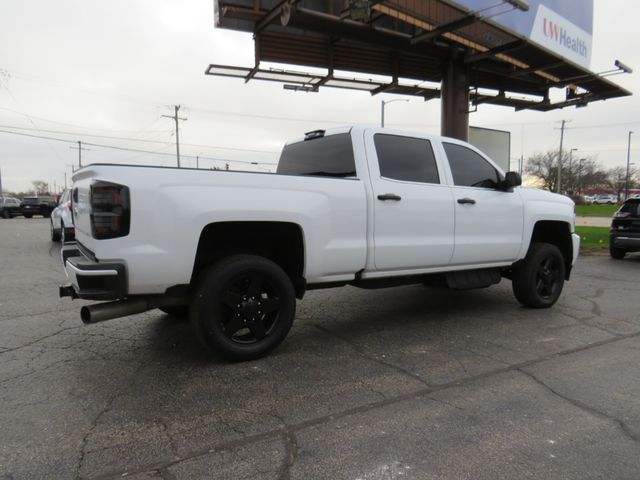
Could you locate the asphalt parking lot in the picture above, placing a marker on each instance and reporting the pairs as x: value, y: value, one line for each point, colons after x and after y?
x: 409, y: 383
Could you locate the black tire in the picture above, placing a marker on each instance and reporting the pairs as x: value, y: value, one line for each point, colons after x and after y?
x: 178, y: 311
x: 28, y: 215
x: 6, y: 214
x: 243, y: 307
x: 617, y: 253
x: 538, y: 281
x: 55, y: 236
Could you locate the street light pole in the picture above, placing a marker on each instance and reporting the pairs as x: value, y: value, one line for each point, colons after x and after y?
x: 386, y: 102
x: 570, y: 161
x: 626, y: 178
x: 580, y: 176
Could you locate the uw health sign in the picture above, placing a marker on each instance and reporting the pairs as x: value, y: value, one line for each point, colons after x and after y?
x: 563, y: 26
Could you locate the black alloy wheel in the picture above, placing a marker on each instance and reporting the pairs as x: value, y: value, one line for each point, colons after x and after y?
x: 539, y: 280
x: 243, y: 307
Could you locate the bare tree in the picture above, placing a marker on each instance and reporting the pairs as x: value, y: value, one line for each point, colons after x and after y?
x: 40, y: 187
x: 584, y: 174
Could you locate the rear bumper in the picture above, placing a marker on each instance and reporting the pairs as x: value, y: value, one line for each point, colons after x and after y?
x: 90, y: 279
x: 628, y: 240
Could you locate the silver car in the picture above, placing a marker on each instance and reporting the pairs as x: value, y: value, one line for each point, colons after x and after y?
x: 62, y: 228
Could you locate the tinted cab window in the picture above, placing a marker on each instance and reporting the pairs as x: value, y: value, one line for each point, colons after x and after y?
x: 406, y: 158
x: 330, y: 156
x: 469, y: 169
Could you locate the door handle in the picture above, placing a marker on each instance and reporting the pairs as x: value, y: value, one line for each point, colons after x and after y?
x: 389, y: 196
x: 463, y: 201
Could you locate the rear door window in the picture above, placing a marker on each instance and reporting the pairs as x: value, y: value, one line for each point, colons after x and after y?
x: 469, y: 169
x: 329, y: 156
x: 406, y: 158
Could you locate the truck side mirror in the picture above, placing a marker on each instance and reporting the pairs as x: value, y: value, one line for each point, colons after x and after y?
x: 511, y: 179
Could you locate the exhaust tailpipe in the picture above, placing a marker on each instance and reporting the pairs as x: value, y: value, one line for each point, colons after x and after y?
x: 100, y: 312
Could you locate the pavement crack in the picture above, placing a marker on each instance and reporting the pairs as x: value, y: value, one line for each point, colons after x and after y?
x: 290, y: 456
x: 313, y: 422
x: 583, y: 406
x: 365, y: 355
x: 36, y: 341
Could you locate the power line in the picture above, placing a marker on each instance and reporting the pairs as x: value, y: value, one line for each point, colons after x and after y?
x: 46, y: 120
x: 143, y: 140
x: 114, y: 147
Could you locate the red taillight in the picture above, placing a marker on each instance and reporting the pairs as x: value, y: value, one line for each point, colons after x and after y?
x: 110, y: 210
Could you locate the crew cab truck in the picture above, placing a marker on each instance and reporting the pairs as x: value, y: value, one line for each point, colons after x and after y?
x: 360, y: 206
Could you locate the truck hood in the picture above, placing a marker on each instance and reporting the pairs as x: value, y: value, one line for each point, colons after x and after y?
x: 536, y: 194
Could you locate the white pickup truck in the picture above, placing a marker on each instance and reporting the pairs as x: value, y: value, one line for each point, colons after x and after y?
x: 360, y: 206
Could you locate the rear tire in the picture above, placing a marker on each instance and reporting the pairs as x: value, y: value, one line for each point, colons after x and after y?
x: 243, y: 307
x: 617, y: 253
x: 538, y: 281
x: 6, y: 214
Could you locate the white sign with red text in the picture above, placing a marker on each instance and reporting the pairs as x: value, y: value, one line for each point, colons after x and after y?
x: 561, y: 36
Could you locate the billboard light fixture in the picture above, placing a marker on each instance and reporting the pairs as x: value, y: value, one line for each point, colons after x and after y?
x: 299, y: 88
x: 519, y: 4
x: 625, y: 68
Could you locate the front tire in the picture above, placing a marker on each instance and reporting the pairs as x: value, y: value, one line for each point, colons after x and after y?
x: 28, y: 215
x: 538, y: 281
x: 243, y: 307
x: 6, y: 214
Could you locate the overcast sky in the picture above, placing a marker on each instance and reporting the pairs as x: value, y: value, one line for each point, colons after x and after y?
x: 105, y: 71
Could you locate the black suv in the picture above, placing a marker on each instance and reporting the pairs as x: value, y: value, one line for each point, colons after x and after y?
x: 9, y: 207
x: 625, y: 229
x: 31, y: 206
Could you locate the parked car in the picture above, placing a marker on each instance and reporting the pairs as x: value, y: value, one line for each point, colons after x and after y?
x: 367, y: 207
x: 625, y: 229
x: 589, y: 199
x: 62, y: 228
x: 42, y: 205
x: 9, y: 207
x: 606, y: 199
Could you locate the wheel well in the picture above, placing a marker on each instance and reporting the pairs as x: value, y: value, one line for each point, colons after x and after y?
x: 555, y: 233
x: 281, y: 242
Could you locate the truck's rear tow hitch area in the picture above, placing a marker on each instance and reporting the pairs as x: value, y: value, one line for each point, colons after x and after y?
x: 100, y: 312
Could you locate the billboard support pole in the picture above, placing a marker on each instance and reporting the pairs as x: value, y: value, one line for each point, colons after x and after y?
x: 455, y: 100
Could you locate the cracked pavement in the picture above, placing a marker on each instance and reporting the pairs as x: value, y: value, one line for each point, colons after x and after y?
x: 407, y: 382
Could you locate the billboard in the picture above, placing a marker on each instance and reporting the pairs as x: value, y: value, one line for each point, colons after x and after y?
x: 496, y: 144
x: 565, y: 27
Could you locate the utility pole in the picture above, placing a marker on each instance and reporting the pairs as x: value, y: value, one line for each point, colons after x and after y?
x: 80, y: 148
x: 0, y: 181
x: 560, y: 154
x: 65, y: 180
x: 626, y: 178
x: 176, y: 118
